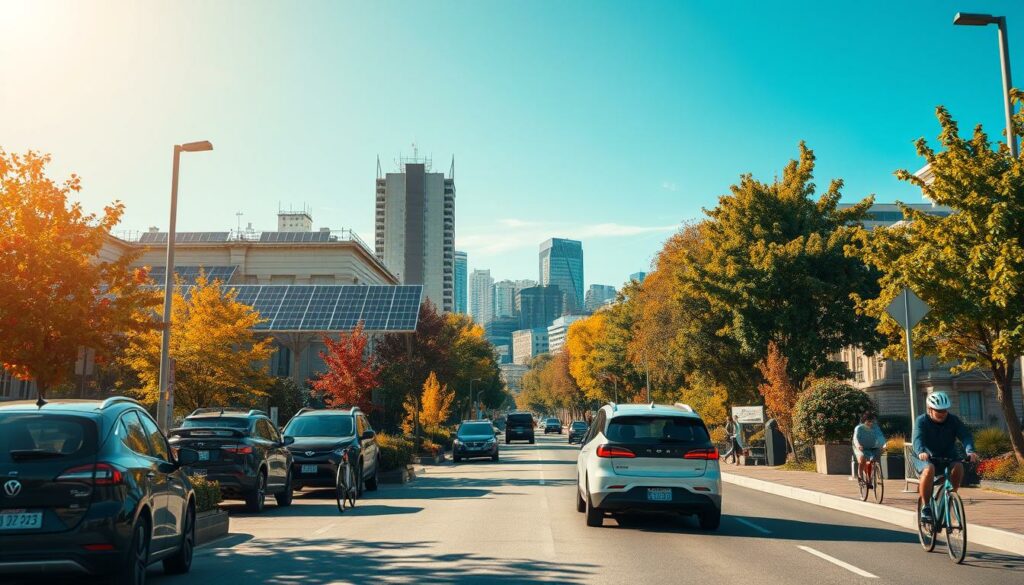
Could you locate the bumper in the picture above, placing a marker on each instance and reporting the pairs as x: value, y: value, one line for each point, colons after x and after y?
x: 469, y: 453
x: 65, y: 552
x: 690, y: 493
x: 683, y: 500
x: 553, y: 430
x: 325, y: 475
x: 518, y: 435
x: 234, y: 479
x: 575, y: 438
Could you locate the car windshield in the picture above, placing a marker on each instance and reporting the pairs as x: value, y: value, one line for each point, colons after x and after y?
x: 471, y: 429
x: 579, y: 425
x: 219, y: 422
x: 657, y: 429
x: 32, y: 436
x: 320, y: 426
x: 553, y: 421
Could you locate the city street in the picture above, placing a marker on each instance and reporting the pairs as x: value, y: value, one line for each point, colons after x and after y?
x: 515, y: 522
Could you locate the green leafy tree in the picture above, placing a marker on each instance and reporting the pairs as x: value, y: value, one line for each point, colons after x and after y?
x: 968, y: 267
x: 829, y: 411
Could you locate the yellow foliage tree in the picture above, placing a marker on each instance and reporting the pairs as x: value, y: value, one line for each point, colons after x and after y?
x: 585, y: 364
x: 435, y: 406
x: 220, y: 361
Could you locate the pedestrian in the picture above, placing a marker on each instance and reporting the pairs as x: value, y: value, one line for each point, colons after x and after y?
x: 868, y: 442
x: 732, y: 431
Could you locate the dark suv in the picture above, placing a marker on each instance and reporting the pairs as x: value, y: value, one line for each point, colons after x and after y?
x: 321, y: 436
x: 92, y: 487
x: 242, y: 450
x: 519, y: 427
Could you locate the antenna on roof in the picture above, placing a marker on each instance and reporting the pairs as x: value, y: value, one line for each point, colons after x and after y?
x: 451, y: 171
x: 380, y: 174
x: 40, y: 402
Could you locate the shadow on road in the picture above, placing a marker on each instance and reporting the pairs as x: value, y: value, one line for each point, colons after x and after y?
x: 997, y: 561
x: 324, y: 506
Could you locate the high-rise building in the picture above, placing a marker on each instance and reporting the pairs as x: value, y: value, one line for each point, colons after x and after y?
x: 520, y: 285
x: 558, y: 331
x: 561, y: 264
x: 481, y: 299
x: 461, y: 274
x: 499, y: 333
x: 504, y: 299
x: 638, y: 276
x: 415, y: 229
x: 541, y: 305
x: 597, y: 295
x: 528, y: 344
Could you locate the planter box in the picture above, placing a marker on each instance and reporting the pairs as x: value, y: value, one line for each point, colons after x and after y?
x: 211, y: 525
x: 893, y: 466
x: 833, y: 459
x: 1006, y: 486
x: 431, y: 459
x: 397, y: 476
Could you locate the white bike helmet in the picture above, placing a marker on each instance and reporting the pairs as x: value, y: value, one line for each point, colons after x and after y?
x: 939, y: 401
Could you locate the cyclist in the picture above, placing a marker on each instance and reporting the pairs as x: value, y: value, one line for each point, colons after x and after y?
x: 868, y: 441
x: 935, y: 435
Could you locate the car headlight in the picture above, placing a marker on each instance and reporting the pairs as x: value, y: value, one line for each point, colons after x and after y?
x: 489, y: 441
x: 456, y: 442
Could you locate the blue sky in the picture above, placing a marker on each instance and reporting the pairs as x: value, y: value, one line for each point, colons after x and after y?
x: 611, y: 122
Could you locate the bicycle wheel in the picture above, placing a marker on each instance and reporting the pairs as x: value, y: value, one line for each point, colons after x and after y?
x: 862, y: 487
x: 878, y: 482
x: 956, y: 528
x: 925, y: 530
x: 341, y: 487
x: 352, y: 491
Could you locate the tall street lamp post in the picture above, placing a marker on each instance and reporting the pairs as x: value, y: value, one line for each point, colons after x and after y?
x: 472, y: 404
x: 163, y: 414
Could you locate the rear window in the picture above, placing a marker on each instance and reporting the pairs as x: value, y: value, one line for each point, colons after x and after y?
x: 216, y: 423
x: 657, y: 429
x: 469, y: 429
x: 320, y: 426
x: 38, y: 436
x: 553, y: 421
x: 579, y: 425
x: 520, y: 419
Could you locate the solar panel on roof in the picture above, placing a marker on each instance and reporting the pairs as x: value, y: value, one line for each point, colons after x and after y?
x: 268, y: 303
x: 293, y: 308
x: 321, y: 308
x: 349, y: 308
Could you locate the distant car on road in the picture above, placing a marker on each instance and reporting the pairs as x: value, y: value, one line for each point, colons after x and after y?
x: 475, y: 439
x: 519, y: 427
x: 577, y: 430
x: 240, y: 449
x: 649, y: 457
x: 321, y: 436
x: 553, y: 425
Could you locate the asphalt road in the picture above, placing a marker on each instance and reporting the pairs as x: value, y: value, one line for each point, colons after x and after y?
x: 515, y: 522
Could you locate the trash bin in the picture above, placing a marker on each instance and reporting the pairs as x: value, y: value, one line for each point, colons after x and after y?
x: 775, y: 444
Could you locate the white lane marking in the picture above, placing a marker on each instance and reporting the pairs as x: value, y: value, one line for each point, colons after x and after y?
x: 752, y: 525
x: 320, y: 531
x: 540, y: 466
x: 837, y: 562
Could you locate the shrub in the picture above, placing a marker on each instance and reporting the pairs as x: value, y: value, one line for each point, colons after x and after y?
x: 895, y: 444
x: 830, y: 411
x: 991, y: 442
x: 893, y: 425
x: 207, y: 493
x: 428, y: 447
x: 718, y: 435
x: 1001, y: 469
x: 440, y: 436
x: 395, y: 452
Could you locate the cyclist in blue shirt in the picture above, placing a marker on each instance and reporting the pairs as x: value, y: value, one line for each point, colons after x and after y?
x: 935, y: 436
x: 868, y: 442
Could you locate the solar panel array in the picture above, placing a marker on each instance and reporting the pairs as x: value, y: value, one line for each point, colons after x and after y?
x: 184, y: 237
x: 295, y: 237
x: 331, y: 307
x: 189, y: 274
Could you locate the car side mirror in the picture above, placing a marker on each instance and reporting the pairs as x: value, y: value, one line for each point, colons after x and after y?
x: 367, y: 435
x: 288, y: 441
x: 187, y: 456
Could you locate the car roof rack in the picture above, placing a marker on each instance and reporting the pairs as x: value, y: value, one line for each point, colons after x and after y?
x: 117, y: 400
x: 681, y: 406
x: 615, y: 407
x: 304, y: 410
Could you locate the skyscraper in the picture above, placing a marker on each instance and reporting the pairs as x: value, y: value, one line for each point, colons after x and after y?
x: 597, y: 294
x: 415, y: 230
x: 504, y: 299
x: 541, y: 305
x: 561, y: 264
x: 520, y: 285
x: 481, y: 300
x: 461, y: 274
x: 638, y: 276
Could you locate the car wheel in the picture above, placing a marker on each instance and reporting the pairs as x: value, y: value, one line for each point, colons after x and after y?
x: 710, y: 520
x: 531, y: 440
x: 254, y: 500
x: 507, y: 441
x: 371, y: 484
x: 494, y: 457
x: 137, y: 560
x: 361, y: 481
x: 456, y: 458
x: 181, y: 562
x: 581, y: 506
x: 595, y: 517
x: 284, y: 497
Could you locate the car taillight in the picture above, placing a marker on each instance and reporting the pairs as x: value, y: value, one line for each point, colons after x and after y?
x: 615, y: 452
x: 98, y: 474
x: 707, y: 454
x: 237, y: 449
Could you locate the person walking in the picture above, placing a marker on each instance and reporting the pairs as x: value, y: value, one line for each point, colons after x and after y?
x: 732, y: 431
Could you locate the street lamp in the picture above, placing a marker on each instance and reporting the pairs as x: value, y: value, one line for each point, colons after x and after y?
x: 970, y: 19
x: 471, y: 403
x: 163, y: 405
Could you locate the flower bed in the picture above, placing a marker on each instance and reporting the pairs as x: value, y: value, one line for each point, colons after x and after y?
x: 1003, y: 468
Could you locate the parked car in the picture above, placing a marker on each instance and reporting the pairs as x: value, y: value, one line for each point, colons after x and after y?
x: 321, y: 436
x: 240, y: 449
x: 649, y: 457
x: 475, y: 439
x: 577, y: 430
x: 92, y: 487
x: 519, y: 427
x: 553, y: 425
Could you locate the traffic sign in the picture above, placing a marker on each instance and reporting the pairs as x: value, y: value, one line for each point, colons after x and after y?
x: 907, y: 308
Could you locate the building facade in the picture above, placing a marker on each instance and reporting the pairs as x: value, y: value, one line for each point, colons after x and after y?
x: 294, y: 221
x: 415, y: 229
x: 539, y: 306
x: 520, y: 285
x: 561, y: 265
x: 638, y: 276
x: 559, y: 330
x: 598, y: 295
x: 461, y: 282
x: 512, y: 376
x: 499, y: 333
x: 504, y: 299
x: 481, y: 300
x: 528, y: 344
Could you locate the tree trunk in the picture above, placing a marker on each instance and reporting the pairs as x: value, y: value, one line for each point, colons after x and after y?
x: 1004, y: 392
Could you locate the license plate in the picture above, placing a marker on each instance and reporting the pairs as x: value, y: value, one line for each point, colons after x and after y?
x: 309, y: 469
x: 20, y: 520
x: 199, y: 472
x: 659, y: 494
x: 204, y: 455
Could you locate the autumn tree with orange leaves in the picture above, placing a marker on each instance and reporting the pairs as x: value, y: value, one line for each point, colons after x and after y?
x: 779, y: 392
x: 60, y: 293
x: 351, y: 374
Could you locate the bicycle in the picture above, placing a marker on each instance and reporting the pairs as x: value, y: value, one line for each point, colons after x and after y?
x: 877, y: 487
x: 947, y: 513
x: 345, y: 489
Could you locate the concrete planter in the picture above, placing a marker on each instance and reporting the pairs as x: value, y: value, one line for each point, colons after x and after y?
x: 211, y: 525
x: 893, y: 465
x: 398, y: 476
x: 431, y: 459
x: 1006, y: 486
x: 833, y: 458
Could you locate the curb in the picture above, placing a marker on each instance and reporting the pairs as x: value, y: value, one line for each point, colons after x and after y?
x: 976, y: 534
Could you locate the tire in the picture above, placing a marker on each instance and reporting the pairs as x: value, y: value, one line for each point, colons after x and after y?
x: 507, y: 441
x: 372, y: 483
x: 862, y: 487
x: 531, y: 440
x: 255, y: 501
x: 925, y: 532
x: 181, y: 562
x: 456, y: 458
x: 360, y: 482
x: 494, y: 457
x: 595, y: 517
x: 956, y: 529
x: 581, y: 506
x: 879, y: 483
x: 710, y: 520
x: 284, y: 497
x: 134, y: 570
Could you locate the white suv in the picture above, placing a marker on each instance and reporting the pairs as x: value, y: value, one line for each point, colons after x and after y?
x: 648, y: 457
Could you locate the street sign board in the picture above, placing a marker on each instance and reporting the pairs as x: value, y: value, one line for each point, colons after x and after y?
x: 749, y: 414
x: 907, y: 304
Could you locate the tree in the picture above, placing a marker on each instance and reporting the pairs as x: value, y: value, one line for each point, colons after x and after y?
x: 968, y: 267
x: 219, y: 360
x: 58, y: 294
x: 548, y: 387
x: 435, y: 404
x: 351, y: 374
x: 779, y: 392
x: 287, y: 396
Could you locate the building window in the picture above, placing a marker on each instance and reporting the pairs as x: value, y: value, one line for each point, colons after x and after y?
x: 970, y: 406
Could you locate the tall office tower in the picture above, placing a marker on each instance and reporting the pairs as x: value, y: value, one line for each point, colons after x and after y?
x: 597, y: 295
x: 520, y: 285
x: 638, y: 276
x: 481, y: 299
x: 561, y: 264
x: 541, y: 305
x: 415, y: 230
x: 504, y: 299
x: 461, y: 274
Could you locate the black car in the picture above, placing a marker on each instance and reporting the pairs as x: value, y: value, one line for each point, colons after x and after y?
x: 553, y: 425
x: 240, y: 449
x: 321, y: 436
x: 519, y: 427
x: 475, y: 438
x: 577, y: 430
x: 92, y: 487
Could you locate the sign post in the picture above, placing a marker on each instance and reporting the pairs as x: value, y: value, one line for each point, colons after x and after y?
x: 908, y: 309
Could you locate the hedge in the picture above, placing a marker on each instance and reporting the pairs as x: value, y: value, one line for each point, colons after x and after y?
x: 830, y: 411
x: 395, y: 452
x: 207, y: 493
